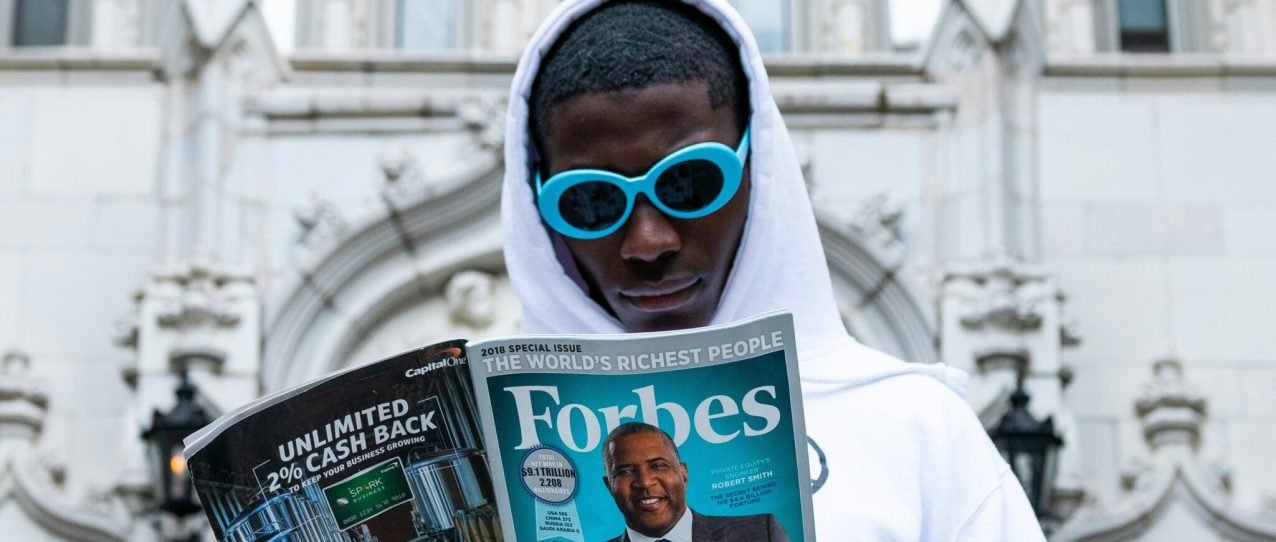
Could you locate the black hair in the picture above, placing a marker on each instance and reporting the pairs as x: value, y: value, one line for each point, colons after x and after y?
x: 632, y: 44
x: 634, y: 428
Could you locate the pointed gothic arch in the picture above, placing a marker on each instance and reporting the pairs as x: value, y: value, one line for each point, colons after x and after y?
x: 400, y: 253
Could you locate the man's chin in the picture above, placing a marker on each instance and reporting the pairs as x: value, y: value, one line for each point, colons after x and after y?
x: 671, y: 321
x: 656, y: 524
x: 654, y: 531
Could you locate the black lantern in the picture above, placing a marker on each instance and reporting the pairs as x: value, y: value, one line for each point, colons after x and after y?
x: 1030, y: 447
x: 165, y: 442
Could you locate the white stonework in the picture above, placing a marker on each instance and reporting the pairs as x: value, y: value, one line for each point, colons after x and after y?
x: 175, y: 193
x: 1178, y: 493
x: 34, y: 504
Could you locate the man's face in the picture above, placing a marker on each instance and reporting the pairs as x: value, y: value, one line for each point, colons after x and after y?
x: 647, y: 482
x: 656, y: 272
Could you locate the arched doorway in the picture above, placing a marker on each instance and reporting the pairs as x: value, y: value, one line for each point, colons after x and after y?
x: 433, y: 270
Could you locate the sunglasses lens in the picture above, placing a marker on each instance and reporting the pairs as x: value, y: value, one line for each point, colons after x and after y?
x: 593, y: 205
x: 689, y: 186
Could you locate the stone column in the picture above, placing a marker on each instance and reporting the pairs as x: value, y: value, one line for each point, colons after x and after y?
x: 203, y: 317
x: 1000, y: 318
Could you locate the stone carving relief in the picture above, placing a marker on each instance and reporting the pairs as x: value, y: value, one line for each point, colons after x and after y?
x: 198, y: 293
x: 404, y: 178
x: 878, y: 219
x: 1009, y: 297
x: 244, y: 67
x: 1174, y: 486
x: 25, y: 400
x: 963, y: 53
x: 35, y: 477
x: 320, y: 222
x: 1002, y: 319
x: 469, y: 299
x: 201, y: 315
x: 1171, y: 410
x: 484, y: 116
x: 471, y: 304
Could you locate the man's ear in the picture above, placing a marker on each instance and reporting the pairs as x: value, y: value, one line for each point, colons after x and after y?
x: 684, y: 472
x: 606, y: 483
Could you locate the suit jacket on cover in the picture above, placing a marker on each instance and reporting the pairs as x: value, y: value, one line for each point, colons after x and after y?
x: 755, y: 528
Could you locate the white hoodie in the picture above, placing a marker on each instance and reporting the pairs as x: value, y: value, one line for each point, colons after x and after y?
x: 897, y: 455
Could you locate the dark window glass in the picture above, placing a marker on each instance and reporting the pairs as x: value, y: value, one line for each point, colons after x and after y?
x: 1144, y: 26
x: 39, y: 22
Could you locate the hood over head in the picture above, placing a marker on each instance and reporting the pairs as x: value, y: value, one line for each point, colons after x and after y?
x: 780, y: 263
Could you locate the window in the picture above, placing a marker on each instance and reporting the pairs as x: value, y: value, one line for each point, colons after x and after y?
x: 1143, y: 26
x: 426, y: 25
x: 770, y: 22
x: 39, y: 23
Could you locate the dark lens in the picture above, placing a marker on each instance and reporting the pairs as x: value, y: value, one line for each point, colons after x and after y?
x: 593, y: 205
x: 689, y: 186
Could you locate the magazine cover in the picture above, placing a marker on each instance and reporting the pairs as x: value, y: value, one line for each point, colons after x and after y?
x: 388, y: 451
x: 591, y: 436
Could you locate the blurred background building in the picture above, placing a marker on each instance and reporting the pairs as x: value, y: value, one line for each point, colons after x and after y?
x: 1081, y: 193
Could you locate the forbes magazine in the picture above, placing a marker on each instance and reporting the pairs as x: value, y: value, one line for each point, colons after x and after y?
x: 593, y: 438
x: 388, y: 451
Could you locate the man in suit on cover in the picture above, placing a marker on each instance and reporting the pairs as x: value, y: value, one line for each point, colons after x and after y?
x: 648, y: 480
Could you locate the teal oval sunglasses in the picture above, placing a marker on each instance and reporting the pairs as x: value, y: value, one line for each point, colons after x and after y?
x: 691, y: 182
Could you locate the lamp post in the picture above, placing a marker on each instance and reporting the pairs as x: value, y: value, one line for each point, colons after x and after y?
x: 1030, y: 447
x: 164, y: 440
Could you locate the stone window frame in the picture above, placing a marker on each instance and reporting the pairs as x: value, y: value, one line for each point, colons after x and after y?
x: 79, y: 24
x: 382, y: 26
x: 804, y: 32
x: 1187, y: 24
x: 385, y: 26
x: 807, y: 16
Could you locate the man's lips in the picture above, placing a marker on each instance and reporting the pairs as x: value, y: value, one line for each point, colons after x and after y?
x: 650, y: 504
x: 664, y: 296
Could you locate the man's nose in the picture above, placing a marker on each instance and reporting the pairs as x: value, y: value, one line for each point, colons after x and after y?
x: 650, y: 234
x: 642, y: 478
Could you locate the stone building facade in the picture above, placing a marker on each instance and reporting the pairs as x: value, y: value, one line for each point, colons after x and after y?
x: 1079, y: 190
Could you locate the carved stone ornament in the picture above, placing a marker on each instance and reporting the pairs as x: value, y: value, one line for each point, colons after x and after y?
x: 1069, y: 331
x: 127, y: 326
x: 485, y: 117
x: 964, y: 52
x: 1011, y: 295
x: 404, y: 177
x: 23, y: 401
x: 878, y: 219
x: 35, y: 478
x: 1170, y: 409
x: 470, y: 298
x: 320, y: 221
x: 199, y: 293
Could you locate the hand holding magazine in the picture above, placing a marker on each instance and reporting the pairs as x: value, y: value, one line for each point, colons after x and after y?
x: 692, y: 434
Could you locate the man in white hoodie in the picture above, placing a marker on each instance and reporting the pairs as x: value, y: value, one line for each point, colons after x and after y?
x: 719, y: 227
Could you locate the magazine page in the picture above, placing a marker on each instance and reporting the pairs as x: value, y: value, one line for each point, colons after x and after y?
x: 575, y: 456
x: 386, y: 451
